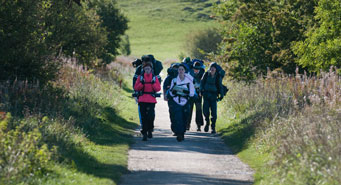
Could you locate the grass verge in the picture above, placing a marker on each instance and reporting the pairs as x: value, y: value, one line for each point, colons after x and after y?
x: 286, y: 128
x: 76, y: 131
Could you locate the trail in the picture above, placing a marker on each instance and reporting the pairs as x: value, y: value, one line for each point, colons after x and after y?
x: 202, y: 158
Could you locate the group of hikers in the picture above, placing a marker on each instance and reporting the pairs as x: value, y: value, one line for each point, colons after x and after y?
x: 187, y: 84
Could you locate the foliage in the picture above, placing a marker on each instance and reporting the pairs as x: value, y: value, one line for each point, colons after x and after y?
x: 258, y: 35
x: 114, y: 23
x: 36, y: 33
x: 200, y: 43
x: 125, y: 46
x: 291, y: 122
x: 23, y: 154
x: 322, y: 47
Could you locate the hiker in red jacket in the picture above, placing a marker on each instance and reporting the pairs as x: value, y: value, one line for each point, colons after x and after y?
x: 147, y: 85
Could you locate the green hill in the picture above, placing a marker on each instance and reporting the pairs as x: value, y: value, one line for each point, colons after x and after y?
x: 160, y: 27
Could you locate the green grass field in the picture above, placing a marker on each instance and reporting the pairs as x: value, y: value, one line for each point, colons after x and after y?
x: 160, y: 27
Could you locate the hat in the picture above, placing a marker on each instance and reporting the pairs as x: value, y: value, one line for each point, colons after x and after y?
x: 175, y: 65
x: 148, y: 64
x: 197, y: 65
x: 213, y: 64
x: 183, y: 65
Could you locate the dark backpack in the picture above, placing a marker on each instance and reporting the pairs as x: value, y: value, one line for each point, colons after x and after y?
x: 220, y: 73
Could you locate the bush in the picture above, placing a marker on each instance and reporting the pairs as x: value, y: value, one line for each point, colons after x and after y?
x: 125, y: 46
x: 23, y: 155
x: 200, y: 43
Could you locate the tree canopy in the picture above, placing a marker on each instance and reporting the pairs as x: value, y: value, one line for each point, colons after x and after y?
x: 33, y: 33
x: 283, y: 34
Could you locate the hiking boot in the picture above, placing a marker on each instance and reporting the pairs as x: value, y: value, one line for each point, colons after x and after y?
x: 206, y: 128
x: 144, y: 138
x: 213, y: 127
x: 150, y: 134
x: 178, y: 138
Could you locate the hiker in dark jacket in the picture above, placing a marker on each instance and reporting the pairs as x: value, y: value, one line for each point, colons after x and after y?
x: 197, y: 72
x: 210, y: 88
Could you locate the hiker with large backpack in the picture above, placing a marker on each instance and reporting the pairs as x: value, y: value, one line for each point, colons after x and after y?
x: 181, y: 90
x: 138, y: 64
x: 197, y: 72
x: 212, y: 90
x: 147, y: 85
x: 172, y: 72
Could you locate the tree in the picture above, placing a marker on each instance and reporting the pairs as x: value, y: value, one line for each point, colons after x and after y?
x: 322, y: 47
x: 114, y: 23
x: 34, y: 33
x: 259, y: 34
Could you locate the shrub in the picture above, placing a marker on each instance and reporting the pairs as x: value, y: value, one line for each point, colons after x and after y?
x: 23, y: 155
x: 125, y: 45
x: 200, y: 43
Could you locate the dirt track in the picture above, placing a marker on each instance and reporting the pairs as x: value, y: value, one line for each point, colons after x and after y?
x: 201, y: 159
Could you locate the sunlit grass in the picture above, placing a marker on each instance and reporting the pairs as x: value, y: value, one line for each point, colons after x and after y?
x: 159, y: 28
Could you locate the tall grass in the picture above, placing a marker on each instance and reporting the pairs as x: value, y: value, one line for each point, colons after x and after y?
x: 47, y: 130
x: 295, y: 119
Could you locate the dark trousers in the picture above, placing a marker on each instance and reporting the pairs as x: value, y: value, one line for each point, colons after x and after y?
x: 179, y: 120
x: 210, y: 105
x: 198, y: 112
x: 147, y: 111
x: 171, y: 112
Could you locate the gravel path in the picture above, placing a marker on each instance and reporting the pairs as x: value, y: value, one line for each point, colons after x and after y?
x: 202, y: 158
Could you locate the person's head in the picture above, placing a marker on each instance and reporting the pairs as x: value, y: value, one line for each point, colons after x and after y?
x: 181, y: 69
x: 147, y: 67
x: 196, y: 67
x: 213, y: 68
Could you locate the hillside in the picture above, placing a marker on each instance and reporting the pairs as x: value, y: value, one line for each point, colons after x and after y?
x: 160, y: 27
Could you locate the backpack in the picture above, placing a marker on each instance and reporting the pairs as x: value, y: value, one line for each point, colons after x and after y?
x: 220, y: 73
x: 140, y: 93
